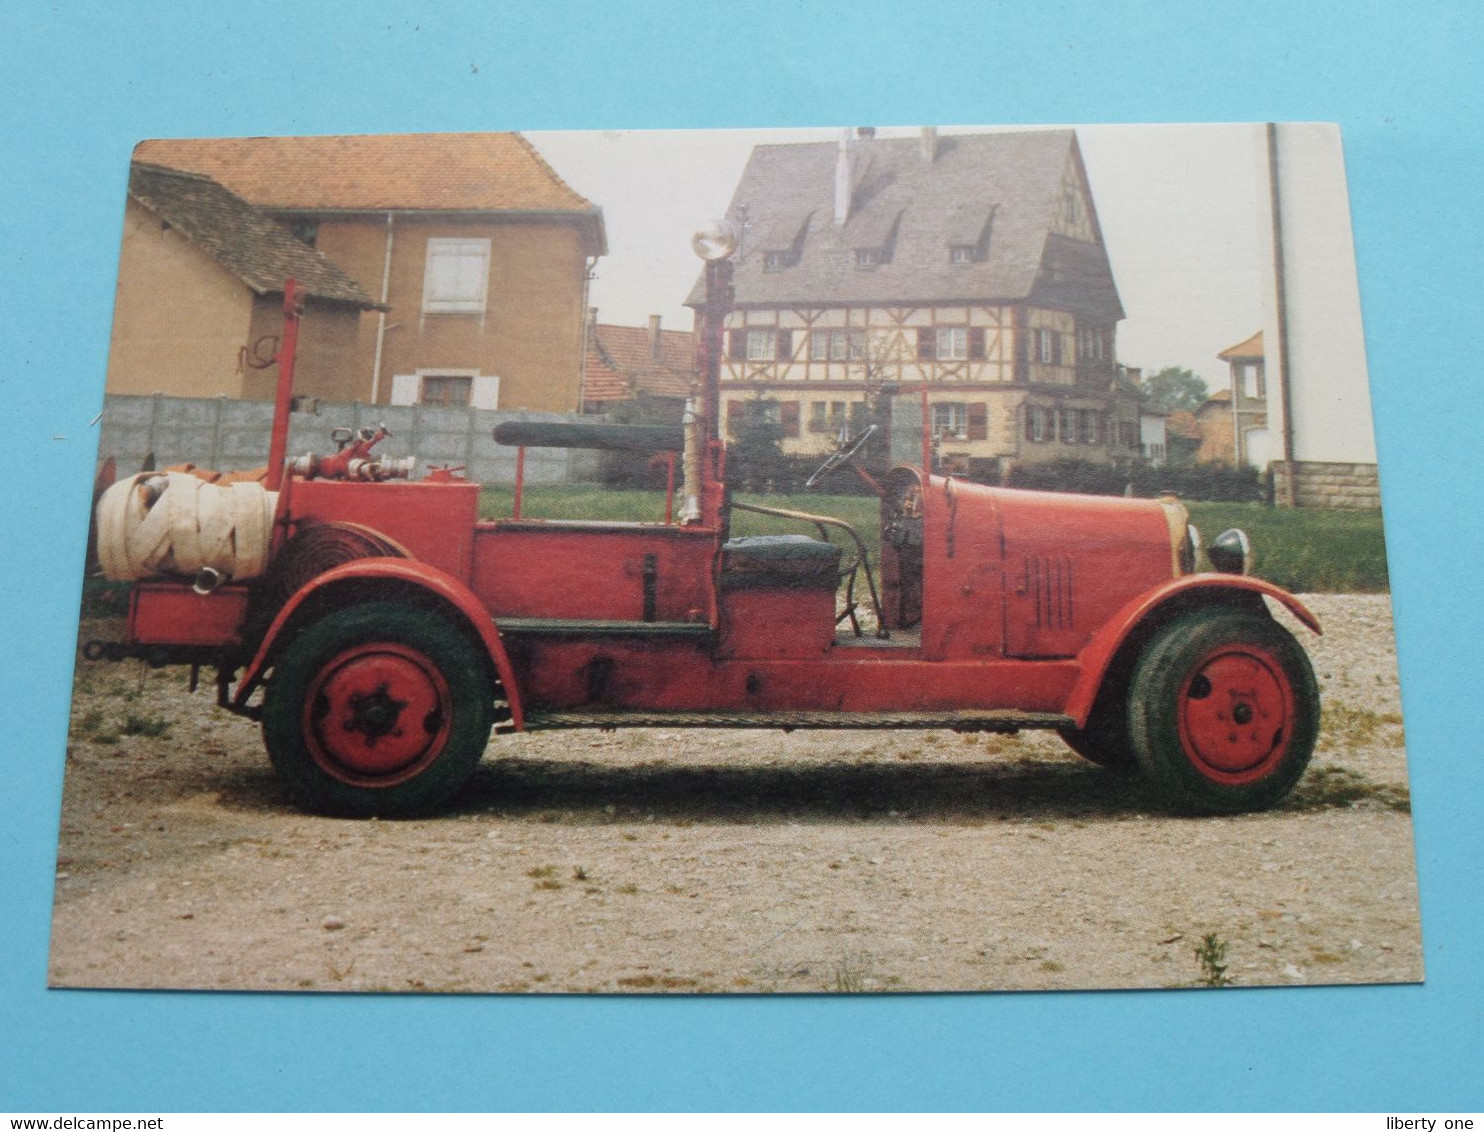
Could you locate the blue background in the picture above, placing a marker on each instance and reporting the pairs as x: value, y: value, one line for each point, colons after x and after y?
x: 85, y: 81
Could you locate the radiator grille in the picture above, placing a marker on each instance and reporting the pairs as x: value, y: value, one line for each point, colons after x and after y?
x: 1048, y: 587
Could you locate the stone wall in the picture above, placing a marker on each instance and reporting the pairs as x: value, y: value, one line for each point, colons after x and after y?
x: 1311, y: 483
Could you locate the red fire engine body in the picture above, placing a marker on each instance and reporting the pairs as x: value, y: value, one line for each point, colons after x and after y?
x: 390, y: 629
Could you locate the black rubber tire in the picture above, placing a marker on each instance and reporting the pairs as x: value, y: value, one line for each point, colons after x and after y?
x: 1209, y: 662
x: 1104, y: 742
x: 450, y: 757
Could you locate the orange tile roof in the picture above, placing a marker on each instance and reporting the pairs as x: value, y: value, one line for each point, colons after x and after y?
x: 621, y: 364
x: 1251, y: 348
x: 1182, y: 423
x: 486, y: 172
x: 602, y: 382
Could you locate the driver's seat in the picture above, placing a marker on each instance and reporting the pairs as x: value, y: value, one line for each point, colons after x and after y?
x: 793, y: 562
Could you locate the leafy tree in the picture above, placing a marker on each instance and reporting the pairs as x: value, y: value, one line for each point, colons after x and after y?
x: 1173, y: 388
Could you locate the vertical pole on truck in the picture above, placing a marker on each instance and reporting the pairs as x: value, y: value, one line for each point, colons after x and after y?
x: 927, y: 435
x: 278, y: 445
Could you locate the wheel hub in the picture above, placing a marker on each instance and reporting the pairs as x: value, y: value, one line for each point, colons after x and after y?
x: 374, y: 715
x: 1235, y: 714
x: 378, y: 713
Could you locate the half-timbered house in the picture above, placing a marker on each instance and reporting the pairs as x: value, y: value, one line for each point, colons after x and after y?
x: 969, y: 265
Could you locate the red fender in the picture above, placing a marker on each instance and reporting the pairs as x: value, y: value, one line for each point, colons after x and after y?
x: 436, y: 582
x: 1099, y: 652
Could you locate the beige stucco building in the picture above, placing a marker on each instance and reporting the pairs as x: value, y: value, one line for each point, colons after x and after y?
x: 199, y: 300
x: 472, y: 256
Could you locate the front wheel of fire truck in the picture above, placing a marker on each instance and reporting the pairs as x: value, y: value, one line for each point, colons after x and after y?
x: 377, y: 710
x: 1223, y: 712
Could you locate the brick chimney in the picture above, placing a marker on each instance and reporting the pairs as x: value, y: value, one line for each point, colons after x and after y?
x: 654, y: 337
x: 929, y: 143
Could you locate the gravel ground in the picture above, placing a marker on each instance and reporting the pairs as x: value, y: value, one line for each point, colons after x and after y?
x: 657, y: 861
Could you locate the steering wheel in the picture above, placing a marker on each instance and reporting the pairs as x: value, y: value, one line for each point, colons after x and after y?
x: 842, y: 454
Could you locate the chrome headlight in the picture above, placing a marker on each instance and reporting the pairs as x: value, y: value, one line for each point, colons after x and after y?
x: 1231, y: 552
x: 1190, y: 549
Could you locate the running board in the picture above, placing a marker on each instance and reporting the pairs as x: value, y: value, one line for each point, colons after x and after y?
x: 559, y: 627
x: 999, y: 720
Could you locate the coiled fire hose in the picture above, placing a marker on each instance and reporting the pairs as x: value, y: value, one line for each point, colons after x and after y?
x: 158, y: 523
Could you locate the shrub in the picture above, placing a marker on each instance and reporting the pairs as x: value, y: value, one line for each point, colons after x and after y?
x: 1217, y: 483
x: 638, y: 470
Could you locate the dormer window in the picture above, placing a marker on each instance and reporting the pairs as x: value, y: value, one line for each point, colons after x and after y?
x: 869, y: 257
x: 775, y: 261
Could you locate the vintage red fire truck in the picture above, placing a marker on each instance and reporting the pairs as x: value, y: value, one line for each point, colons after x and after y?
x: 380, y: 630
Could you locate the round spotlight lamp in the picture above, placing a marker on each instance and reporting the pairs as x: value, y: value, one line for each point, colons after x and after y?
x: 716, y: 239
x: 1231, y: 552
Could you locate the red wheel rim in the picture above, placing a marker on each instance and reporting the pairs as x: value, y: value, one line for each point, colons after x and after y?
x: 1236, y: 714
x: 377, y: 714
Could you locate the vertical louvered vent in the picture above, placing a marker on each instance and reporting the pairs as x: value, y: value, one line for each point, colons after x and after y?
x: 1048, y: 586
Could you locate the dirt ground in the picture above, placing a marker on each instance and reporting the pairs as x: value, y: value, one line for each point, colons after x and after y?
x: 732, y: 861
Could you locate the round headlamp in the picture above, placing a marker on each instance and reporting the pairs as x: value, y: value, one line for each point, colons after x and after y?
x: 1231, y: 552
x: 716, y: 239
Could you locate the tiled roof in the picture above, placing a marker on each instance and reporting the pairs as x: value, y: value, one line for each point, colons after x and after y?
x: 1005, y: 189
x: 250, y: 245
x: 1182, y: 423
x: 621, y: 364
x: 1252, y: 348
x: 485, y: 172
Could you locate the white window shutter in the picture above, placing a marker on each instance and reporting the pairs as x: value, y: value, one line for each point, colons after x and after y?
x: 405, y: 388
x: 485, y: 393
x: 456, y: 276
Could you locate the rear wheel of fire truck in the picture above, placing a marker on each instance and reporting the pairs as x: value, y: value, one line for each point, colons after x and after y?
x: 1223, y: 712
x: 377, y: 710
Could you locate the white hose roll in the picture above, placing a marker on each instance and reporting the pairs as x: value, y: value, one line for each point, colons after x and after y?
x: 171, y: 523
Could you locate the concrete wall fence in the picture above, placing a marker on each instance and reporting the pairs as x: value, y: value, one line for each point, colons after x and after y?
x: 226, y: 434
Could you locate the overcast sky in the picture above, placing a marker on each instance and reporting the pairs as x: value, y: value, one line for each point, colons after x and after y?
x: 1183, y: 209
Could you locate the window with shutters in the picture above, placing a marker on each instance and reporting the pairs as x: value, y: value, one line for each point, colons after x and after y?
x: 456, y: 276
x: 448, y: 392
x: 1094, y: 343
x: 837, y: 345
x: 869, y: 257
x: 952, y: 344
x: 951, y: 420
x: 1045, y: 346
x: 962, y: 253
x: 762, y: 345
x: 785, y: 414
x: 446, y: 388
